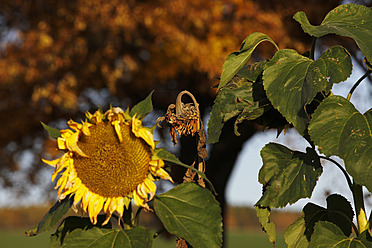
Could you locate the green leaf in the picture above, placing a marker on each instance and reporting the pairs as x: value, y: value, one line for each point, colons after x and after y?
x: 191, y: 212
x: 328, y: 235
x: 263, y: 214
x: 72, y: 223
x: 236, y: 60
x: 338, y: 212
x: 137, y: 237
x: 53, y: 216
x: 53, y: 132
x: 170, y: 158
x: 365, y: 238
x: 295, y: 236
x: 350, y: 20
x: 143, y: 108
x: 339, y: 129
x: 292, y: 81
x: 243, y: 96
x: 287, y: 175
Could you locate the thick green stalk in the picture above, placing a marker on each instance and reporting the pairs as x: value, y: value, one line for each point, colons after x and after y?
x: 359, y: 207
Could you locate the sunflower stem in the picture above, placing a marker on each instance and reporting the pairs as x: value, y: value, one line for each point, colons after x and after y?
x: 359, y: 207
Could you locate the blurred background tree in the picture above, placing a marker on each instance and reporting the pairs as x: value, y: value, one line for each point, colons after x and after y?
x: 61, y: 58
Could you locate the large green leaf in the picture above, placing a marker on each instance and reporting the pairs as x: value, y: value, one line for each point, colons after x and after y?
x: 338, y: 211
x: 295, y: 236
x: 292, y: 81
x: 328, y: 235
x: 72, y: 223
x: 191, y: 212
x: 143, y: 108
x: 263, y: 214
x: 236, y: 60
x: 53, y: 216
x: 339, y: 129
x: 137, y: 237
x: 350, y: 20
x: 243, y: 96
x: 287, y: 175
x: 79, y: 232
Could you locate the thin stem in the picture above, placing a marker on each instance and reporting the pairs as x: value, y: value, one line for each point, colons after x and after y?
x: 357, y: 83
x: 312, y: 51
x: 342, y: 169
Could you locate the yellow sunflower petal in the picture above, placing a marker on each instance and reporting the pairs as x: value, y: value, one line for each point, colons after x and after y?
x: 52, y: 162
x: 117, y: 130
x: 148, y: 187
x: 74, y: 125
x: 71, y: 144
x: 97, y: 117
x: 119, y: 206
x: 86, y: 200
x: 138, y: 200
x: 141, y: 132
x: 92, y: 208
x: 85, y: 128
x: 163, y: 174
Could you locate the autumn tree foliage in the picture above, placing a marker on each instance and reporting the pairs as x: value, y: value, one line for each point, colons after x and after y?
x: 61, y: 58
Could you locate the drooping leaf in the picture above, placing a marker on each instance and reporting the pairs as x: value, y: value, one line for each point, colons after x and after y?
x: 339, y: 129
x: 137, y: 237
x: 71, y: 224
x: 244, y: 97
x: 170, y: 158
x: 53, y: 216
x: 53, y: 132
x: 338, y: 212
x: 292, y: 81
x: 287, y: 175
x: 191, y: 212
x: 350, y: 20
x: 295, y: 236
x: 236, y: 60
x: 328, y: 235
x: 143, y: 108
x: 263, y: 214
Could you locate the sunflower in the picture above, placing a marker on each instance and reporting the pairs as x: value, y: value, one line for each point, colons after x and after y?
x: 109, y: 160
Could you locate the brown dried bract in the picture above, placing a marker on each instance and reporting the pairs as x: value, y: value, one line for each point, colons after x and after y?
x: 185, y: 123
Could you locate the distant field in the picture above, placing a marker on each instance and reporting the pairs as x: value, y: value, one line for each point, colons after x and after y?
x: 234, y: 239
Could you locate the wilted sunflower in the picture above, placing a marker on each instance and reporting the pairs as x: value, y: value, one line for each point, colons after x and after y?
x: 109, y: 160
